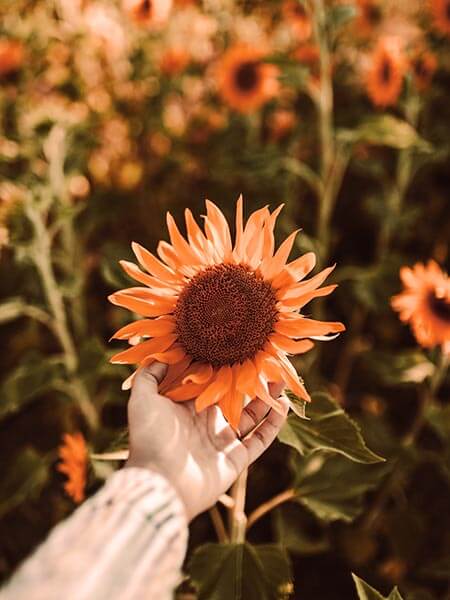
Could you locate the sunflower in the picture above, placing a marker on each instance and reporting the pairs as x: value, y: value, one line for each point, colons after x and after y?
x: 148, y: 13
x: 74, y: 455
x: 385, y: 76
x: 11, y: 56
x: 440, y: 10
x: 298, y: 18
x: 369, y: 16
x: 224, y: 317
x: 244, y: 81
x: 423, y: 66
x: 425, y: 303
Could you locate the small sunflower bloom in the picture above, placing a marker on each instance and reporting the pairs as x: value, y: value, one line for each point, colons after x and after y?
x: 298, y: 18
x: 73, y: 454
x: 440, y: 10
x: 369, y: 16
x: 243, y: 80
x: 149, y: 14
x: 386, y: 72
x: 423, y: 67
x: 11, y: 56
x: 223, y: 316
x: 425, y: 303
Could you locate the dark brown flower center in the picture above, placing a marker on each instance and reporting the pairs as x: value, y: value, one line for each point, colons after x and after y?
x: 225, y: 314
x: 144, y: 8
x: 440, y: 307
x: 386, y: 71
x: 373, y: 13
x: 247, y: 76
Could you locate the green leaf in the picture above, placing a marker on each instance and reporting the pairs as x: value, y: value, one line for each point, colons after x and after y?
x: 292, y: 526
x: 385, y: 130
x: 339, y: 15
x: 241, y: 572
x: 367, y: 592
x: 30, y: 380
x: 332, y: 487
x: 330, y: 428
x: 24, y: 480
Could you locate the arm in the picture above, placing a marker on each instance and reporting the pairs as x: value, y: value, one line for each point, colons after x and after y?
x: 128, y: 541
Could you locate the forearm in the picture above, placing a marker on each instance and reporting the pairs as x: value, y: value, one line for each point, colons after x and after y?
x: 126, y: 542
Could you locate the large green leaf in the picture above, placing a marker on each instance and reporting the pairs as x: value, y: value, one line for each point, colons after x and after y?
x: 23, y: 480
x: 31, y: 379
x: 332, y: 487
x: 241, y: 572
x: 329, y: 428
x: 385, y: 130
x: 367, y: 592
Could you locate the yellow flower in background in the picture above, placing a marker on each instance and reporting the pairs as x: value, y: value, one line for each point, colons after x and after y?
x: 386, y: 72
x: 425, y: 303
x: 244, y: 81
x: 74, y: 457
x: 224, y: 317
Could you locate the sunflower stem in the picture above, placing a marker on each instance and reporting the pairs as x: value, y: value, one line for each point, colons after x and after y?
x: 42, y: 259
x: 266, y: 507
x: 238, y: 517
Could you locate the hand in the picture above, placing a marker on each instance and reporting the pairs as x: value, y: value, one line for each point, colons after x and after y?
x: 199, y: 454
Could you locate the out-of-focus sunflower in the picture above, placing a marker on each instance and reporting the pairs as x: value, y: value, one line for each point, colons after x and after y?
x: 148, y: 13
x: 425, y: 303
x: 370, y: 15
x: 298, y: 18
x: 74, y: 456
x: 386, y: 71
x: 423, y: 66
x: 224, y: 317
x: 11, y: 56
x: 244, y: 81
x: 174, y: 61
x: 440, y: 9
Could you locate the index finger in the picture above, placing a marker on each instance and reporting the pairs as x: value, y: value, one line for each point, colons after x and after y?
x: 261, y: 438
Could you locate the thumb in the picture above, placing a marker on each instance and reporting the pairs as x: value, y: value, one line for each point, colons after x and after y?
x: 147, y: 380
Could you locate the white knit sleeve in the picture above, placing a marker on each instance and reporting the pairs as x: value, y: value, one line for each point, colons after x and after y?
x: 127, y: 542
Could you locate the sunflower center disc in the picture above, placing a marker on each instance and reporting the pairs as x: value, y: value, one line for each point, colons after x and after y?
x: 440, y: 307
x: 225, y: 314
x: 247, y: 76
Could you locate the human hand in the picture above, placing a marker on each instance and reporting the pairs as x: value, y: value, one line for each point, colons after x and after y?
x: 198, y: 453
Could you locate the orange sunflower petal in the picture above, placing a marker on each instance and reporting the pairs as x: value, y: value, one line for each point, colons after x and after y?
x: 153, y: 265
x: 174, y: 374
x: 271, y: 267
x: 295, y: 270
x: 137, y: 353
x: 217, y: 230
x: 146, y: 327
x: 285, y: 343
x: 215, y: 390
x: 142, y: 307
x: 302, y: 327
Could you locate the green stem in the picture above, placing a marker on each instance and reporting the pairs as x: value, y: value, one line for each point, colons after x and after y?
x: 43, y: 261
x: 326, y: 136
x: 238, y: 516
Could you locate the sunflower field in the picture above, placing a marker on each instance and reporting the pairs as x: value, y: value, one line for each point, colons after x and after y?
x: 113, y: 113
